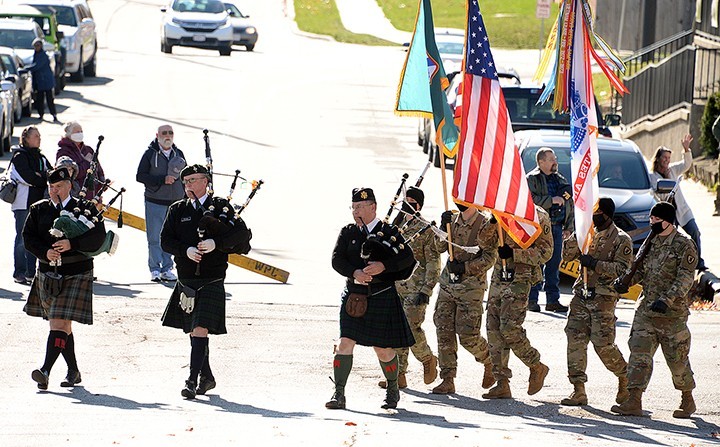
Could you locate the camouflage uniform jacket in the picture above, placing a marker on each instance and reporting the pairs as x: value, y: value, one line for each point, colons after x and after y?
x: 615, y: 263
x: 528, y: 262
x: 427, y: 272
x: 476, y: 264
x: 667, y: 273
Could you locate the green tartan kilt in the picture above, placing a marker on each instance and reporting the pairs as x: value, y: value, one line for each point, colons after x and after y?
x: 74, y: 302
x: 209, y: 311
x: 384, y: 324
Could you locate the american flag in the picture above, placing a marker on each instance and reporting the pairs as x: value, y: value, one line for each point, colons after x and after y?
x: 488, y: 169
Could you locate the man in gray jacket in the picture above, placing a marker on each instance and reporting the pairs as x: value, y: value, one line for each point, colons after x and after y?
x: 159, y: 171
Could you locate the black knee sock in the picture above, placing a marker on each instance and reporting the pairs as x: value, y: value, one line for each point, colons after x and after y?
x: 55, y: 344
x: 69, y: 353
x: 205, y: 371
x: 197, y: 356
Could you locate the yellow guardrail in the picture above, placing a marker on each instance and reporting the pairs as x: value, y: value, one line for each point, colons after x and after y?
x: 241, y: 261
x: 572, y: 268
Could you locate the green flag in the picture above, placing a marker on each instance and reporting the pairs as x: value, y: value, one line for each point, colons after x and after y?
x: 423, y: 82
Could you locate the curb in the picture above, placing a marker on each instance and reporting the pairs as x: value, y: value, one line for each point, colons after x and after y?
x: 289, y: 9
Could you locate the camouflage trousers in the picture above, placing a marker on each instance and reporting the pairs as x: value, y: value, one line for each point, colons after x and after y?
x: 593, y: 321
x: 672, y: 335
x: 415, y: 314
x: 458, y: 314
x: 507, y: 306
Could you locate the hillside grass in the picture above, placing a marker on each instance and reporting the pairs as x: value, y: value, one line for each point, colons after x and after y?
x: 322, y: 17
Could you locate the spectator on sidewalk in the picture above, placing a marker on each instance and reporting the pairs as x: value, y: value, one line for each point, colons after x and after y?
x: 663, y: 169
x: 551, y: 191
x: 159, y: 170
x: 71, y: 145
x: 43, y: 80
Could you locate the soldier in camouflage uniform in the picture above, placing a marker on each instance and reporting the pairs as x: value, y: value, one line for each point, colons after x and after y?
x: 661, y: 315
x: 463, y: 281
x: 415, y: 291
x: 508, y: 304
x: 592, y: 309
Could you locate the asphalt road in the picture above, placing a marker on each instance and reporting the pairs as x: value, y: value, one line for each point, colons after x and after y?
x: 313, y: 119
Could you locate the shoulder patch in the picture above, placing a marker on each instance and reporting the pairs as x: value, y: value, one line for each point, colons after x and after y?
x: 690, y: 261
x: 546, y: 229
x: 627, y: 250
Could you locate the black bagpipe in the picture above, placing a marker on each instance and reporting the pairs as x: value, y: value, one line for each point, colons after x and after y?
x: 87, y: 213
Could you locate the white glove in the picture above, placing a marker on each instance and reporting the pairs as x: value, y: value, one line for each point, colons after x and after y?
x: 206, y: 246
x: 194, y: 254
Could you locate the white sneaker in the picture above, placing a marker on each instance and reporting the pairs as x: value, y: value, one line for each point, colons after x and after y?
x: 155, y: 276
x: 168, y: 276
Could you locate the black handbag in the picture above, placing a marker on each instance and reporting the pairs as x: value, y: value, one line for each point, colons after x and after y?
x: 8, y: 187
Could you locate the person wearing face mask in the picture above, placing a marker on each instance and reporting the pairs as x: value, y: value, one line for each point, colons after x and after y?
x: 29, y: 169
x: 159, y: 170
x: 592, y: 309
x: 71, y: 145
x: 43, y: 80
x: 463, y: 282
x: 415, y: 291
x: 551, y: 191
x: 663, y: 169
x: 666, y: 275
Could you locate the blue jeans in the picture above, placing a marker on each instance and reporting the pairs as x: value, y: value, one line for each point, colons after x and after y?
x: 693, y: 231
x: 551, y: 271
x: 24, y: 260
x: 158, y: 260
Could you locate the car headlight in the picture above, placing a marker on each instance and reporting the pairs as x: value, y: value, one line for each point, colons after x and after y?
x: 250, y: 30
x: 70, y: 43
x: 222, y: 23
x: 177, y: 21
x: 643, y: 216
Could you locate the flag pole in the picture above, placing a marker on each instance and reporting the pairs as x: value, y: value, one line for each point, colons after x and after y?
x: 445, y: 198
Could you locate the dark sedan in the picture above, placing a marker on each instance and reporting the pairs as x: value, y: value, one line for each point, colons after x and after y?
x: 244, y: 33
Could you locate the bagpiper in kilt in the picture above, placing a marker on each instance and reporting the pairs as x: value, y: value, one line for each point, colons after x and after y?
x: 201, y: 267
x: 69, y: 297
x: 383, y: 325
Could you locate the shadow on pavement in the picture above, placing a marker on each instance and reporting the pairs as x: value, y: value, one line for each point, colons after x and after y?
x: 234, y: 407
x: 85, y: 397
x: 106, y: 288
x: 10, y: 295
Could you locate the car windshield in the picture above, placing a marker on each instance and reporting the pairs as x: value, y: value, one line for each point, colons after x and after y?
x: 232, y: 10
x: 523, y: 107
x: 207, y: 6
x: 450, y: 47
x: 64, y: 14
x: 16, y: 38
x: 8, y: 61
x: 618, y: 170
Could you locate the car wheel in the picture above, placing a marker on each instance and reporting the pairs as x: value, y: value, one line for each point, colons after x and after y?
x: 26, y: 109
x: 250, y: 47
x: 226, y: 51
x: 79, y: 75
x: 6, y: 142
x: 91, y: 67
x: 59, y: 83
x: 18, y: 113
x: 165, y: 47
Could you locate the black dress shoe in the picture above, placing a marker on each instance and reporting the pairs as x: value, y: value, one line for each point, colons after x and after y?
x: 533, y: 307
x: 392, y: 397
x: 72, y: 379
x: 189, y: 391
x: 205, y: 385
x: 42, y: 378
x: 556, y: 307
x: 337, y: 402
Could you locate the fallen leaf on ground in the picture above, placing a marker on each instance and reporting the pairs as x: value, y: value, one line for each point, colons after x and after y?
x: 350, y: 424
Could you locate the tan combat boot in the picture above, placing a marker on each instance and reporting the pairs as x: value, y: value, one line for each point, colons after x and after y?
x: 402, y: 382
x: 577, y: 398
x: 538, y: 372
x: 447, y: 386
x: 430, y: 370
x: 488, y: 378
x: 632, y: 406
x: 622, y: 393
x: 687, y: 406
x: 499, y: 391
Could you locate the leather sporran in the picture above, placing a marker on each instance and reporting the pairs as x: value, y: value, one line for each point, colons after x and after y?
x: 187, y: 298
x: 356, y: 304
x: 53, y: 283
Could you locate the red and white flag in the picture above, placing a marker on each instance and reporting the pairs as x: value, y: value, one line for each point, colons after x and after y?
x: 488, y: 169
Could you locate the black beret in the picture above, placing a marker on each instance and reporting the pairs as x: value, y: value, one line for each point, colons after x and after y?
x: 193, y: 169
x: 362, y: 194
x: 607, y: 206
x: 58, y: 175
x: 665, y: 211
x: 417, y: 194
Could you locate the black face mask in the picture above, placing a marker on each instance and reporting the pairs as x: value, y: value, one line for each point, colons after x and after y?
x: 408, y: 208
x: 461, y: 207
x: 657, y: 228
x: 599, y: 220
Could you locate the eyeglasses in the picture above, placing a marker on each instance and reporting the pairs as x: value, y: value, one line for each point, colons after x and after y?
x: 360, y: 206
x: 190, y: 181
x: 166, y: 132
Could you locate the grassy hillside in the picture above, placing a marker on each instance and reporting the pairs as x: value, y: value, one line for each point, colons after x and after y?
x: 322, y: 17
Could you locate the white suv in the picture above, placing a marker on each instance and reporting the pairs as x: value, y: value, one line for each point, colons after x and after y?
x: 196, y: 23
x: 76, y: 22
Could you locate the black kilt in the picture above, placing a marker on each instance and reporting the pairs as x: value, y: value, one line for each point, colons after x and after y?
x: 209, y: 311
x: 384, y: 325
x: 73, y: 303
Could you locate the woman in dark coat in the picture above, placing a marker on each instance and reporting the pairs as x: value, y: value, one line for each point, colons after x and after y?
x: 43, y: 80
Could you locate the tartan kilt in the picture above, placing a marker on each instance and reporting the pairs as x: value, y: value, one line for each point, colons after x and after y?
x: 73, y: 303
x: 384, y: 324
x: 209, y: 311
